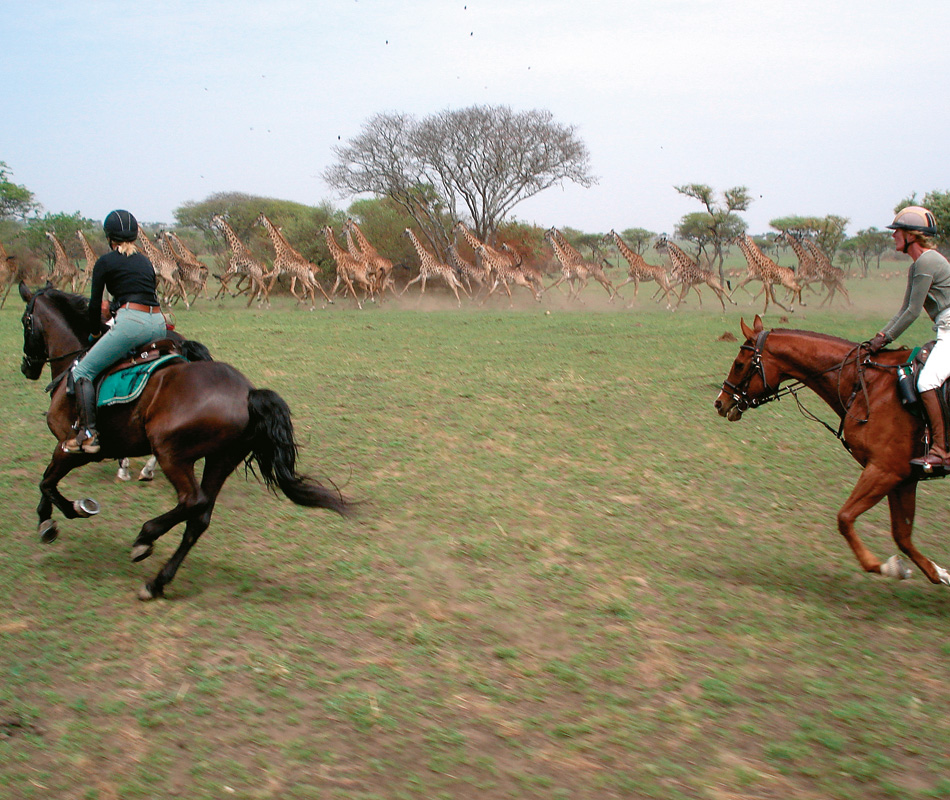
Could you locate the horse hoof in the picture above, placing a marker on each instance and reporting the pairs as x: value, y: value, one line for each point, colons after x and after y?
x: 48, y: 531
x: 141, y: 551
x: 124, y: 475
x: 895, y: 567
x: 87, y: 507
x: 146, y: 476
x: 145, y: 593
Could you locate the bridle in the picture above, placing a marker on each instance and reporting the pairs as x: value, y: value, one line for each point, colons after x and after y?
x: 35, y: 354
x: 740, y: 391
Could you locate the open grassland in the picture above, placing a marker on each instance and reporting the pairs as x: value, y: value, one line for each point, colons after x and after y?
x: 570, y: 579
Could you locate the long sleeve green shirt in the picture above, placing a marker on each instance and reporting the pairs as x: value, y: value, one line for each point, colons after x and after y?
x: 928, y: 289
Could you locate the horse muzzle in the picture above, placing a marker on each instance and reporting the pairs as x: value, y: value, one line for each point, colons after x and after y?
x: 727, y: 406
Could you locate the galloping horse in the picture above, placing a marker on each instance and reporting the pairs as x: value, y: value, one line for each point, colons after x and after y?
x: 875, y: 428
x: 189, y: 410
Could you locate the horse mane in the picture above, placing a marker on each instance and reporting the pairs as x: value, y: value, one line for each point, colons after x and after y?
x: 74, y: 307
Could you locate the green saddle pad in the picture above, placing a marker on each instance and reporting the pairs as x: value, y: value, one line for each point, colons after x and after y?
x: 126, y: 385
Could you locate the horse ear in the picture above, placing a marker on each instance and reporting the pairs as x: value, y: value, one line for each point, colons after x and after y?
x: 757, y: 324
x: 748, y: 332
x: 25, y: 292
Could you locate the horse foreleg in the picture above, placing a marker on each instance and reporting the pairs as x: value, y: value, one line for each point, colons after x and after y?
x: 871, y: 488
x: 61, y: 464
x: 903, y: 505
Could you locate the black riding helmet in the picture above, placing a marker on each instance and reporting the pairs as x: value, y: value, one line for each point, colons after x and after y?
x: 120, y: 226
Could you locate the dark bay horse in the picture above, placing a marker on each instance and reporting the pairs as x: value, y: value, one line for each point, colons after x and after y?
x: 877, y: 430
x: 188, y: 411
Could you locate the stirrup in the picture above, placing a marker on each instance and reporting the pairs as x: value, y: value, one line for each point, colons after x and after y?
x: 88, y: 444
x: 931, y: 460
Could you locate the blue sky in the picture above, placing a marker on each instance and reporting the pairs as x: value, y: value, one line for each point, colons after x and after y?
x: 817, y: 107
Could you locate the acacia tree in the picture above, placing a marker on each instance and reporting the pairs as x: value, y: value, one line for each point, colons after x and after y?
x: 827, y: 232
x: 718, y: 224
x: 16, y: 202
x: 477, y: 162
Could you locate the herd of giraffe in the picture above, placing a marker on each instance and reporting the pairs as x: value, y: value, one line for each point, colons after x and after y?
x: 362, y: 273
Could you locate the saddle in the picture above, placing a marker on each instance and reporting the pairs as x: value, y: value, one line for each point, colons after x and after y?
x: 167, y: 349
x: 907, y: 375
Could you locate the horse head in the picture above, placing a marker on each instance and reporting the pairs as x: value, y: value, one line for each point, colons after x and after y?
x: 745, y: 385
x: 54, y: 327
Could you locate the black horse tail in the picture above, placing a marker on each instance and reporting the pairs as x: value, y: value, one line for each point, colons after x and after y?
x: 274, y: 450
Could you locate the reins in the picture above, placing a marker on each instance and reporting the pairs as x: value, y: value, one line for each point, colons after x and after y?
x: 32, y: 360
x: 743, y: 402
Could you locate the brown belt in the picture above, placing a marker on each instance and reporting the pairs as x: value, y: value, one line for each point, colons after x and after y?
x: 141, y: 307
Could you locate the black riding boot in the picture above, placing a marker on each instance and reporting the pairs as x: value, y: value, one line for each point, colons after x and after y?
x: 937, y: 457
x: 86, y: 439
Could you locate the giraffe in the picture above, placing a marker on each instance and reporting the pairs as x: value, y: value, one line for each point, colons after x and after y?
x: 431, y: 267
x: 349, y: 268
x: 639, y: 270
x: 832, y: 277
x: 191, y: 271
x: 64, y: 270
x: 380, y: 267
x: 288, y: 260
x: 573, y: 272
x: 764, y: 269
x: 8, y: 272
x: 593, y: 269
x: 242, y: 263
x: 689, y: 274
x: 166, y: 270
x: 498, y: 266
x: 466, y: 270
x: 90, y: 256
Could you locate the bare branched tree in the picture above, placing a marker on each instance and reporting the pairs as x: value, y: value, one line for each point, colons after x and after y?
x: 477, y: 162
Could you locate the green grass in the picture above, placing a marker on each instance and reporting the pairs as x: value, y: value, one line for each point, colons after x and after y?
x: 570, y: 578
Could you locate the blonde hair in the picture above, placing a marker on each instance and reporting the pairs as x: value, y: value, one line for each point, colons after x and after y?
x: 126, y: 248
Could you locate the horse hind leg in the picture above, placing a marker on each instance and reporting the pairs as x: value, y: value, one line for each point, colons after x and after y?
x: 216, y: 471
x: 903, y: 505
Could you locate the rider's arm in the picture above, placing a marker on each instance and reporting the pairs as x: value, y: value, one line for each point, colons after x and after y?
x: 918, y: 284
x: 95, y: 298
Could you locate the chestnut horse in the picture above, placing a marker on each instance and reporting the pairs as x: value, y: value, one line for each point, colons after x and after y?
x: 189, y: 410
x: 875, y: 428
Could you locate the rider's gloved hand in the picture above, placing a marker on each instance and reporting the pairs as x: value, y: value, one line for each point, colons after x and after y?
x: 877, y: 342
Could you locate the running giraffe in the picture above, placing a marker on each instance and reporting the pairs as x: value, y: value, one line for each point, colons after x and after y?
x: 8, y: 272
x: 243, y: 264
x: 431, y: 267
x: 832, y: 277
x: 593, y: 269
x: 349, y: 268
x: 466, y: 270
x: 763, y: 268
x: 90, y: 256
x: 380, y: 267
x: 166, y: 270
x: 64, y: 270
x: 639, y: 270
x: 571, y: 271
x: 689, y: 274
x: 807, y: 266
x: 192, y: 271
x: 288, y: 260
x: 500, y: 267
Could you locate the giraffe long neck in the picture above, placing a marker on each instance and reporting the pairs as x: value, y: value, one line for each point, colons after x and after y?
x: 470, y: 237
x: 282, y: 248
x: 573, y: 255
x: 797, y: 248
x: 86, y: 249
x: 151, y: 251
x: 234, y: 243
x: 335, y: 250
x: 58, y: 249
x: 364, y: 245
x: 681, y: 261
x: 633, y: 258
